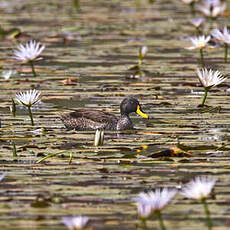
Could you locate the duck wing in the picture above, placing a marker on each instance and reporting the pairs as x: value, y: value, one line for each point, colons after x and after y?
x: 94, y: 115
x: 89, y: 119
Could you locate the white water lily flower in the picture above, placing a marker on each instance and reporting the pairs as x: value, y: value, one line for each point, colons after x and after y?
x: 28, y: 98
x: 29, y: 52
x: 143, y: 51
x: 150, y: 202
x: 6, y: 74
x: 2, y: 176
x: 75, y: 222
x: 211, y: 3
x: 199, y: 42
x: 210, y: 78
x: 199, y: 188
x: 212, y: 9
x: 189, y: 1
x: 197, y: 22
x: 144, y: 208
x: 222, y: 36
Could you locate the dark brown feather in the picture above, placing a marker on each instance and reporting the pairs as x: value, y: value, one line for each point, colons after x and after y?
x: 94, y: 115
x: 85, y: 119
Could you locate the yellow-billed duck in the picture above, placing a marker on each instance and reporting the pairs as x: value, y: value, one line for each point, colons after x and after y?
x: 92, y: 119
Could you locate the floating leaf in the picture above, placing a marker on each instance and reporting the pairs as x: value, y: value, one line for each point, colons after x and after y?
x: 172, y: 152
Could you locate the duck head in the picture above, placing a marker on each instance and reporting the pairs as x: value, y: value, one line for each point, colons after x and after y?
x: 129, y: 105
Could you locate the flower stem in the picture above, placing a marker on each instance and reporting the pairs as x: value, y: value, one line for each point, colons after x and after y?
x: 32, y: 67
x: 144, y: 223
x: 198, y: 31
x: 205, y: 96
x: 14, y: 150
x: 138, y: 3
x: 225, y: 52
x: 140, y: 62
x: 13, y: 108
x: 202, y: 57
x: 70, y: 157
x: 31, y: 115
x: 159, y: 216
x: 192, y: 8
x: 207, y: 213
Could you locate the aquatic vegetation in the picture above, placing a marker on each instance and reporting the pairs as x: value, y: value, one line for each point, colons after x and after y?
x: 142, y: 53
x: 2, y: 176
x: 208, y: 79
x: 137, y: 68
x: 153, y: 202
x: 29, y: 53
x: 223, y: 37
x: 197, y: 22
x: 200, y: 188
x: 75, y: 222
x: 28, y: 99
x: 92, y: 72
x: 9, y: 34
x: 56, y: 154
x: 14, y: 150
x: 76, y: 4
x: 13, y: 107
x: 99, y: 137
x: 199, y: 43
x: 6, y: 74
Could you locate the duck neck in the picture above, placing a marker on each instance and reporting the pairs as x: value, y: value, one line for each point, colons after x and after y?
x: 124, y: 115
x: 124, y: 122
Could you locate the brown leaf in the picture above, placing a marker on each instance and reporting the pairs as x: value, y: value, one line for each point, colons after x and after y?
x: 69, y: 81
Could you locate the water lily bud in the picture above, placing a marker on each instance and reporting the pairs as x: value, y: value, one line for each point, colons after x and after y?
x: 142, y: 52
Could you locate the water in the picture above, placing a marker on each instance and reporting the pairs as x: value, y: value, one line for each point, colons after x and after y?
x: 104, y: 38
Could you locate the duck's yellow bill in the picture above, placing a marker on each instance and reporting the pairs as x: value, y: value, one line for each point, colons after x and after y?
x: 141, y: 113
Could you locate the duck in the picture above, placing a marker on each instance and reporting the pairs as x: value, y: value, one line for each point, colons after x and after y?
x: 93, y: 119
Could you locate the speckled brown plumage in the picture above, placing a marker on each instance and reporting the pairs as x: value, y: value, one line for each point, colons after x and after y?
x: 85, y: 119
x: 92, y: 119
